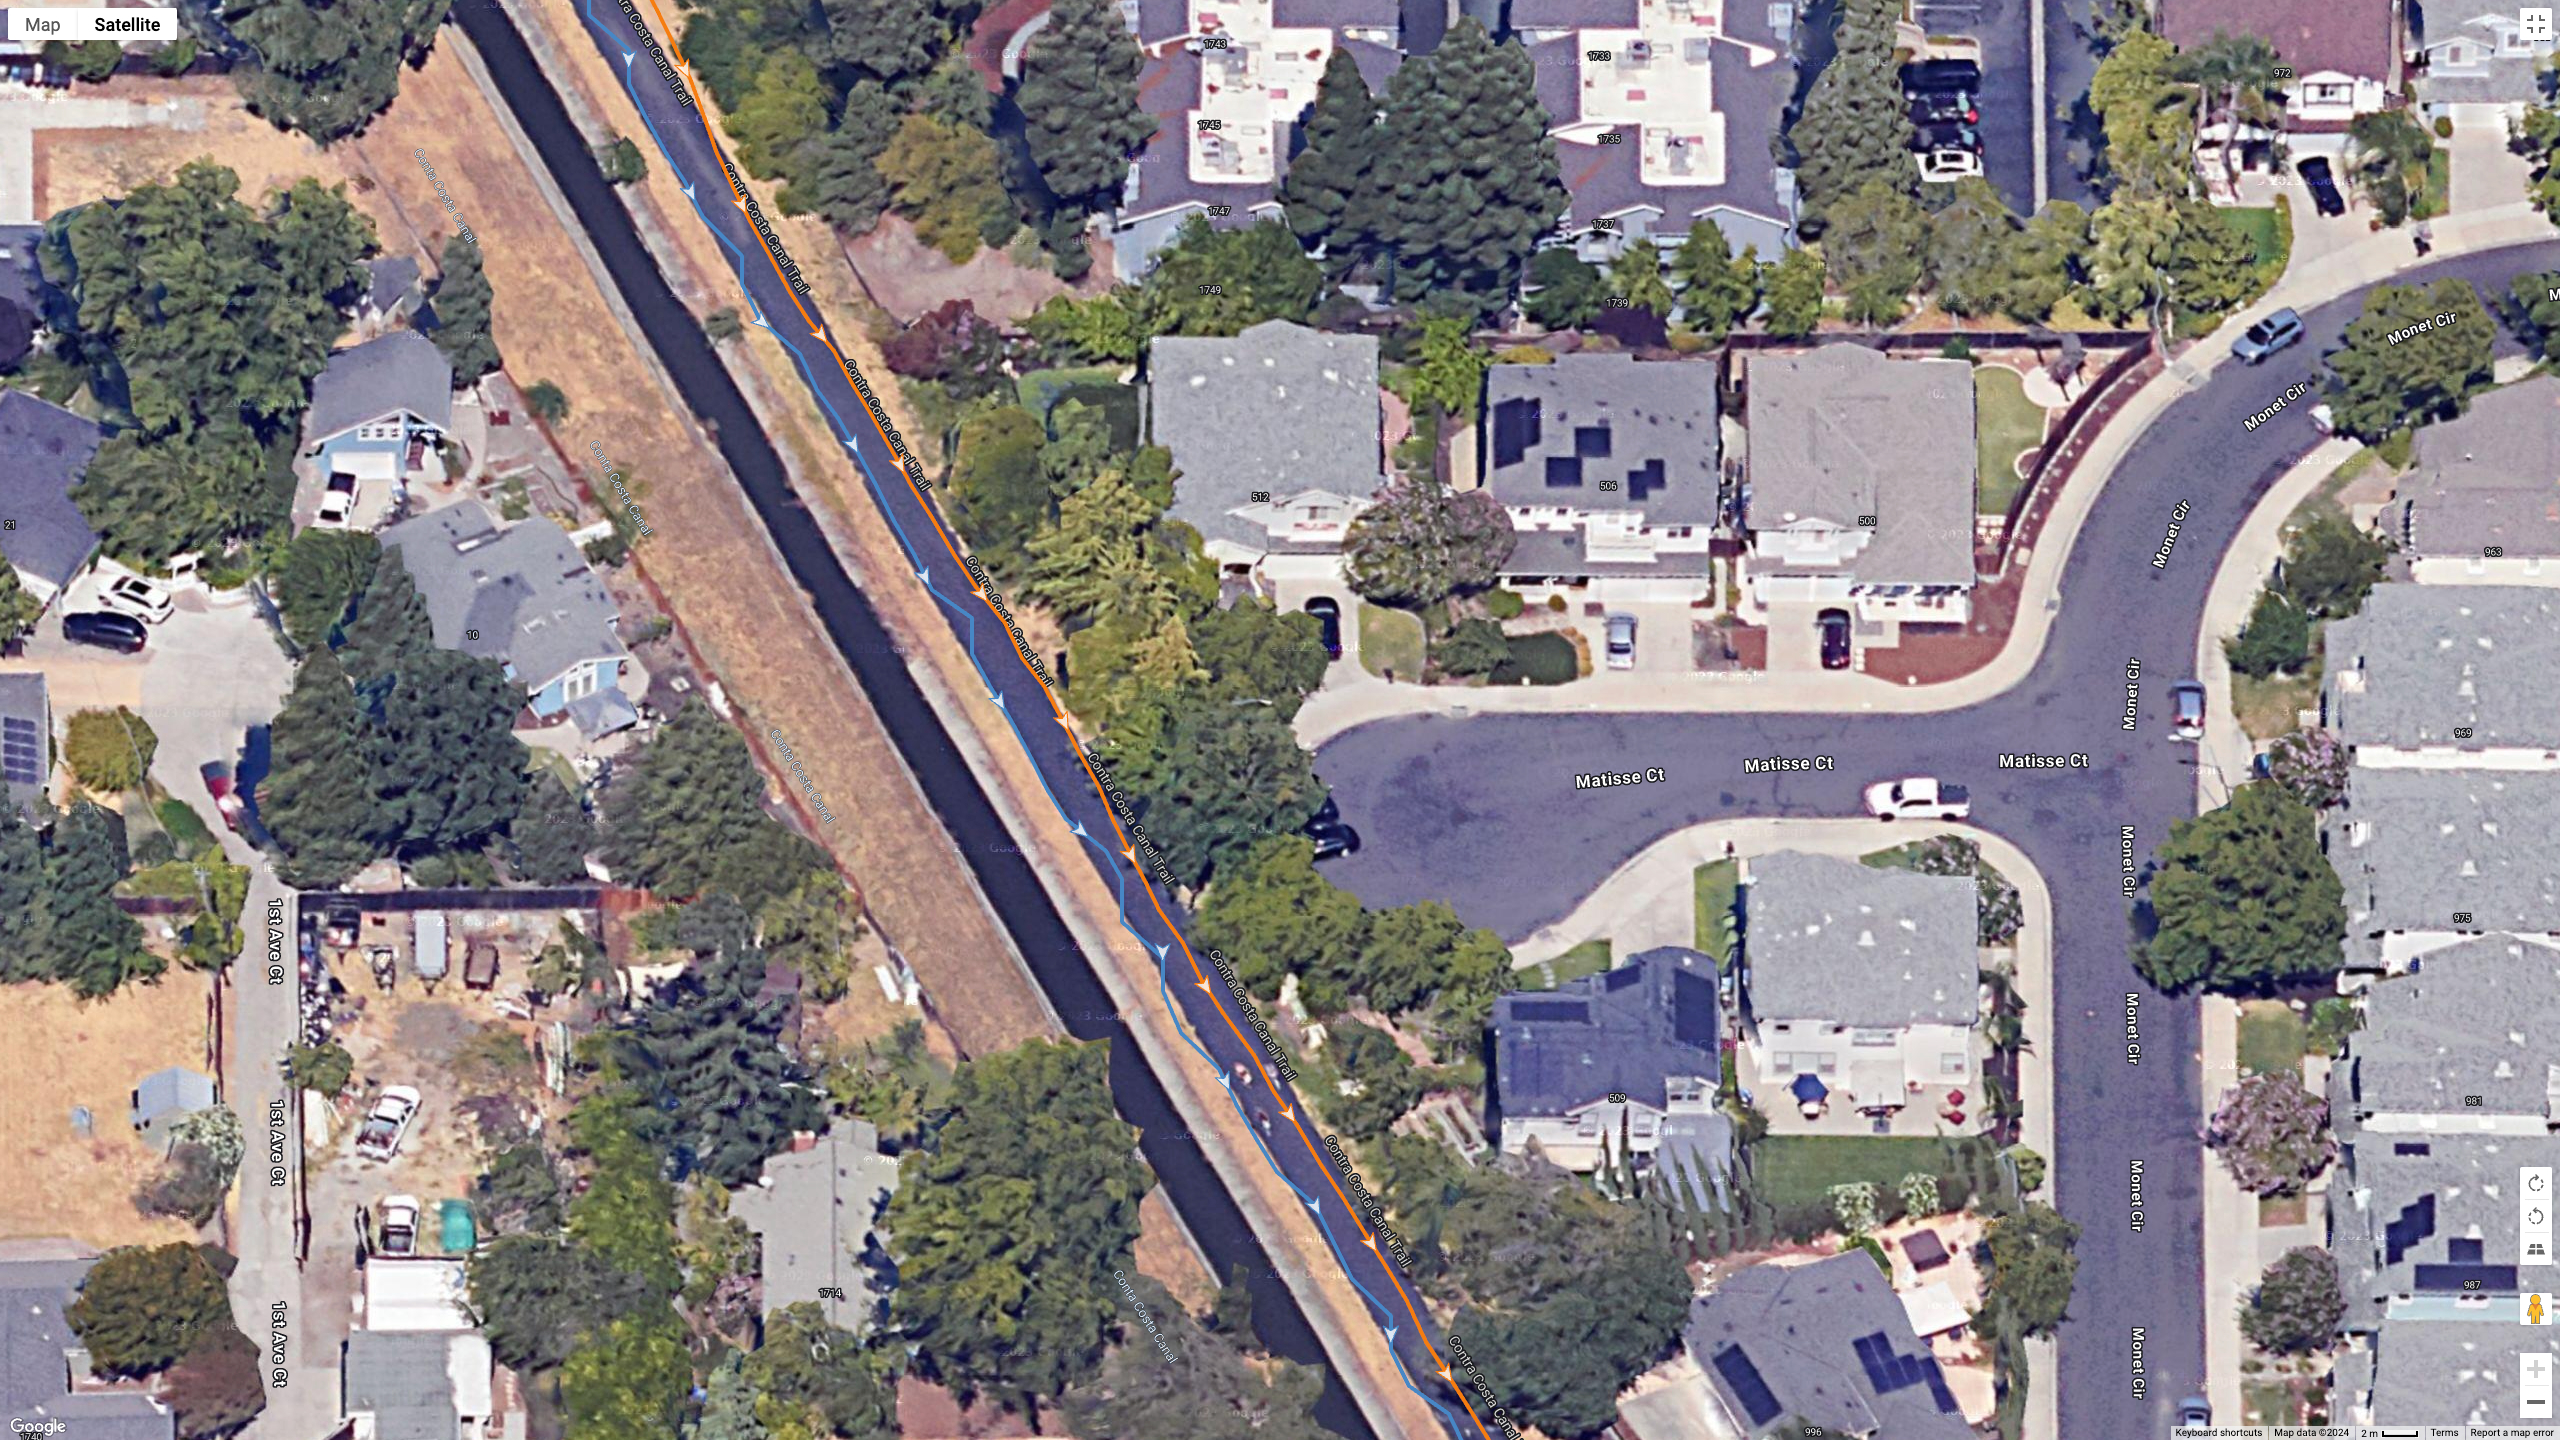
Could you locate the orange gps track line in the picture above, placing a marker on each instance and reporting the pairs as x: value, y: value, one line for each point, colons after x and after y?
x: 1058, y: 712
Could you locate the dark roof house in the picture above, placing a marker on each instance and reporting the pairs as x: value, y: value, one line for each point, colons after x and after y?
x: 44, y: 450
x: 1632, y: 1030
x: 402, y: 371
x: 2419, y: 1221
x: 815, y: 1209
x: 523, y: 596
x: 40, y: 1359
x: 1604, y: 432
x: 1826, y: 1343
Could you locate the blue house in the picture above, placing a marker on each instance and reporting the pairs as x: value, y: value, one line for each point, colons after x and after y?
x: 379, y: 408
x: 522, y: 596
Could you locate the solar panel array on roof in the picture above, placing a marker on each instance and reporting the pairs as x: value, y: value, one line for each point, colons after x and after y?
x: 2463, y: 1279
x: 1888, y: 1372
x: 1564, y: 472
x: 1646, y: 479
x: 1566, y: 1010
x: 21, y: 752
x: 1743, y: 1379
x: 1590, y: 442
x: 1693, y: 1010
x: 2415, y: 1222
x: 1516, y: 430
x: 1613, y: 981
x: 2463, y: 1252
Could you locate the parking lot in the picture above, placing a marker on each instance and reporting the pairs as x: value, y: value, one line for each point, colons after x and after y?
x: 2007, y: 99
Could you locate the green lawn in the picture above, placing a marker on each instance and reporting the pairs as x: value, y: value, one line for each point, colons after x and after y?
x: 1588, y: 958
x: 1717, y: 887
x: 2263, y: 226
x: 2271, y: 1038
x: 2436, y: 199
x: 1801, y: 1169
x: 1546, y: 658
x: 2269, y: 707
x: 2266, y: 1402
x: 1390, y: 640
x: 2005, y: 425
x: 185, y: 827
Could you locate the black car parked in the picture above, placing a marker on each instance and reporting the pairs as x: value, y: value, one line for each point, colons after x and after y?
x: 1328, y: 613
x: 1330, y: 835
x: 1835, y: 639
x: 1933, y: 77
x: 104, y: 629
x: 2316, y: 178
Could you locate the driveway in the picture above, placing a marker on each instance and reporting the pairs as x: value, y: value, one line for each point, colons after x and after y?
x: 2008, y: 87
x: 1482, y: 813
x: 214, y: 670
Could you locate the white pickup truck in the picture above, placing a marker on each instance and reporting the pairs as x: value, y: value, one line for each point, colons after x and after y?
x: 1918, y: 797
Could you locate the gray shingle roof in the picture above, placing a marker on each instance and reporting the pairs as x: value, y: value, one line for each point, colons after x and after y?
x: 2477, y: 1019
x: 44, y: 450
x: 1630, y: 1030
x: 21, y: 277
x: 2440, y: 522
x: 2509, y: 436
x: 526, y: 590
x: 2437, y: 1216
x: 1827, y: 1343
x: 1280, y: 408
x: 2450, y: 1372
x: 1842, y: 432
x: 1831, y: 939
x: 814, y: 1210
x: 1607, y: 181
x: 2437, y: 845
x: 35, y: 1373
x: 389, y: 280
x: 402, y: 1378
x: 2421, y: 660
x: 1537, y: 553
x: 1555, y: 434
x: 401, y: 371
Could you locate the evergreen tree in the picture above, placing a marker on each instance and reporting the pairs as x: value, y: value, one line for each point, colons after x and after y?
x: 2148, y: 113
x: 722, y: 1093
x: 2243, y: 899
x: 1466, y: 182
x: 785, y: 111
x: 93, y: 946
x: 462, y: 301
x: 1223, y: 282
x: 949, y: 180
x: 1207, y: 1390
x: 1854, y: 127
x: 892, y: 40
x: 838, y: 174
x: 387, y: 627
x: 1635, y: 279
x: 2044, y: 260
x: 318, y: 801
x: 1081, y: 562
x: 2133, y: 248
x: 18, y: 609
x: 1420, y: 544
x: 1335, y: 165
x: 2214, y: 266
x: 1969, y: 250
x: 327, y: 67
x: 317, y: 583
x: 551, y: 834
x: 1718, y: 289
x: 1008, y: 1228
x: 142, y: 1308
x: 447, y: 768
x: 22, y: 900
x: 1875, y: 245
x: 689, y: 817
x: 1079, y: 101
x: 1565, y: 290
x: 1793, y: 286
x: 2430, y: 373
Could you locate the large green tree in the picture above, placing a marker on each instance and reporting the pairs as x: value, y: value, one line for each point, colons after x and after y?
x: 949, y: 179
x: 1854, y: 127
x: 837, y: 174
x: 2403, y: 366
x: 1222, y: 282
x: 688, y: 817
x: 447, y: 767
x: 22, y: 897
x: 2044, y: 260
x: 2033, y: 1261
x: 199, y: 324
x: 1718, y: 289
x: 1875, y: 244
x: 1566, y: 1296
x: 1182, y: 1380
x: 537, y: 1297
x: 785, y: 111
x: 316, y: 584
x: 2330, y: 565
x: 1079, y: 101
x: 1335, y: 164
x: 462, y: 302
x: 1253, y: 652
x: 893, y: 40
x: 2297, y: 1305
x: 2148, y: 114
x: 1273, y: 916
x: 1792, y: 285
x: 2244, y: 899
x: 1212, y: 777
x: 141, y: 1308
x: 2388, y: 152
x: 2213, y: 264
x: 1420, y: 544
x: 1970, y: 250
x: 1001, y: 492
x: 2132, y: 254
x: 821, y: 1375
x: 707, y: 1056
x: 318, y: 800
x: 551, y: 834
x: 327, y: 67
x: 94, y: 947
x: 1009, y: 1226
x: 1565, y: 290
x: 1466, y: 182
x: 629, y: 1381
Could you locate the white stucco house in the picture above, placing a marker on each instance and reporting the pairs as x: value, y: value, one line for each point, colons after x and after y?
x: 1608, y: 468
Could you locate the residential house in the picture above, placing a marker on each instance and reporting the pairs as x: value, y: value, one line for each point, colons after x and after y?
x: 417, y: 1385
x: 44, y: 450
x: 2442, y: 677
x: 2425, y: 1227
x: 164, y: 1097
x: 392, y: 293
x: 1608, y: 468
x: 1860, y: 993
x: 45, y: 1378
x: 1227, y: 82
x: 1662, y: 111
x: 2461, y: 1045
x: 2433, y: 858
x: 2477, y: 65
x: 816, y: 1209
x: 522, y: 596
x: 1859, y: 484
x: 1825, y: 1344
x: 2345, y: 54
x: 22, y: 288
x: 26, y: 743
x: 1276, y: 442
x: 2450, y: 1374
x: 379, y: 408
x: 2481, y: 505
x: 1594, y: 1070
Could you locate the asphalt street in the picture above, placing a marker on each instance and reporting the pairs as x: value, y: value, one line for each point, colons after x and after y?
x: 2008, y: 87
x: 1482, y: 812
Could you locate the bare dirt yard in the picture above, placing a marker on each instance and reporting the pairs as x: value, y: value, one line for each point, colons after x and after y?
x: 65, y: 1053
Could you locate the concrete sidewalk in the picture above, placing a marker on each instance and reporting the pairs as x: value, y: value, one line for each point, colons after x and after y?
x: 1331, y: 711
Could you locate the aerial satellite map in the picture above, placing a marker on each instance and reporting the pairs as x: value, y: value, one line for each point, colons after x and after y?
x: 1280, y: 720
